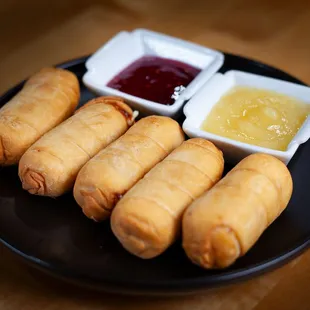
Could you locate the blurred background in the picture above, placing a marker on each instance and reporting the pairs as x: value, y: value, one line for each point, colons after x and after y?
x: 35, y: 33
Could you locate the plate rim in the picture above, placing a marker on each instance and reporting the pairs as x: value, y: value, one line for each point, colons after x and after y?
x: 163, y: 287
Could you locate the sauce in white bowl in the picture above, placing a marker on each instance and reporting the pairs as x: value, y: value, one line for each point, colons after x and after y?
x: 128, y: 47
x: 237, y: 121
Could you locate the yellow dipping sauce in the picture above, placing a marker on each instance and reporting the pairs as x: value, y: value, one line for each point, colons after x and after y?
x: 257, y: 116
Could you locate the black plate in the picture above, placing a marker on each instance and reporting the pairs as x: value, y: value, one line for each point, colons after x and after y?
x: 56, y: 236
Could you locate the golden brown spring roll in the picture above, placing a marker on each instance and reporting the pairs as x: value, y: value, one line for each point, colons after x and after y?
x: 114, y: 170
x: 147, y: 220
x: 47, y: 98
x: 224, y: 223
x: 50, y: 166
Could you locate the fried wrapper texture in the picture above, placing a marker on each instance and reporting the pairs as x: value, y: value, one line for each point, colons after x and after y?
x: 47, y: 98
x: 224, y: 223
x: 147, y: 220
x: 113, y: 171
x: 50, y: 166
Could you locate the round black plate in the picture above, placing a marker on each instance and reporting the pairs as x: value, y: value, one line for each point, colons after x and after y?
x: 56, y: 236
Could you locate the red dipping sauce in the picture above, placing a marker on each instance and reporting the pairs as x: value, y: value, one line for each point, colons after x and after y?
x: 154, y: 78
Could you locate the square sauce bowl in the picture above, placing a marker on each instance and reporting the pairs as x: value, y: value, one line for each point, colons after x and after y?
x: 201, y: 104
x: 127, y: 47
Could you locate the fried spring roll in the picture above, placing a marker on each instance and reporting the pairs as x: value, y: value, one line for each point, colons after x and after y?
x: 114, y: 170
x: 147, y: 220
x: 50, y: 166
x: 224, y: 223
x: 47, y: 98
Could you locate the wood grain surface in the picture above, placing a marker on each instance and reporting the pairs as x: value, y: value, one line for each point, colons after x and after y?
x: 37, y: 33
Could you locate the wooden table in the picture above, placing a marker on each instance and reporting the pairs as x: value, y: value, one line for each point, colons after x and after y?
x: 36, y: 33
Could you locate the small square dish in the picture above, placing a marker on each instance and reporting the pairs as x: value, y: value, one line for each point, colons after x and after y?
x: 128, y: 47
x: 201, y: 104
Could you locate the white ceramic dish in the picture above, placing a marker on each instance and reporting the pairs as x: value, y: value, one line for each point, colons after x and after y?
x: 201, y: 104
x: 126, y: 47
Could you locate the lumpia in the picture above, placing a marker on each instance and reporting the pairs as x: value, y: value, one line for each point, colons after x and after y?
x: 47, y: 98
x: 115, y: 169
x: 147, y: 220
x: 223, y: 224
x: 50, y: 166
